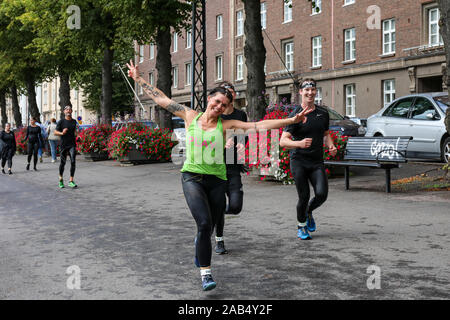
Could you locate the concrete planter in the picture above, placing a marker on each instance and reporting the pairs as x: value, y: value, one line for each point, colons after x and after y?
x: 95, y: 156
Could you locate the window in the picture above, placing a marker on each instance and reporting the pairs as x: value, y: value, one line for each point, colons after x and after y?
x: 350, y: 46
x: 175, y: 42
x: 389, y: 36
x: 318, y: 98
x: 350, y: 98
x: 400, y: 109
x: 152, y: 51
x: 188, y: 75
x: 175, y: 77
x: 263, y: 15
x: 388, y: 91
x: 287, y: 11
x: 346, y: 2
x: 434, y: 37
x: 141, y: 54
x: 317, y: 51
x: 151, y: 78
x: 219, y: 27
x: 288, y: 48
x: 317, y: 8
x: 140, y: 90
x: 219, y: 67
x: 188, y: 39
x: 239, y: 67
x: 45, y: 96
x: 423, y: 109
x: 239, y: 23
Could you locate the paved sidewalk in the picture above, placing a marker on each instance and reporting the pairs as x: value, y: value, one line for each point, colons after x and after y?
x: 131, y: 234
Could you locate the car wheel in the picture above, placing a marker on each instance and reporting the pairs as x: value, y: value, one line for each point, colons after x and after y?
x: 445, y: 150
x: 377, y: 134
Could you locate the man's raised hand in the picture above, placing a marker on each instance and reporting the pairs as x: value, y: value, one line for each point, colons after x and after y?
x: 301, y: 117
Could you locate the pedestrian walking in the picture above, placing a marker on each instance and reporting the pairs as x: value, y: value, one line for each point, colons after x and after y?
x: 53, y: 139
x: 234, y: 188
x: 34, y: 138
x: 8, y: 147
x: 43, y: 142
x: 305, y: 141
x: 67, y: 129
x: 204, y: 172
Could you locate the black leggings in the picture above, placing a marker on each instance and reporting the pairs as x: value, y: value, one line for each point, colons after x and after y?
x: 205, y: 196
x: 315, y: 174
x: 235, y: 200
x: 33, y: 148
x: 72, y: 153
x: 7, y: 155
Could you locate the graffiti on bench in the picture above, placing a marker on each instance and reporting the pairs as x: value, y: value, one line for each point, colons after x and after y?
x: 384, y: 150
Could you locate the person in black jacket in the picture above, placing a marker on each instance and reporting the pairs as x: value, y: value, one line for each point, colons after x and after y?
x: 235, y: 193
x: 8, y: 140
x: 35, y: 139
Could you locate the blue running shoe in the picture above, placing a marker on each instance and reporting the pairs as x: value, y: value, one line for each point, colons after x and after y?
x: 310, y: 223
x: 208, y: 283
x: 303, y: 234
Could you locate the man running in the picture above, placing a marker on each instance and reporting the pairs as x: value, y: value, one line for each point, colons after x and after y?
x: 67, y: 129
x: 305, y: 141
x: 234, y: 191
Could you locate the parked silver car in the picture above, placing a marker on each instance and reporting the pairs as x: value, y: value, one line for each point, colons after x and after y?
x: 420, y: 116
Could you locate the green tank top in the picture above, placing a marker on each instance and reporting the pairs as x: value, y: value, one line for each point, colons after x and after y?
x: 204, y: 150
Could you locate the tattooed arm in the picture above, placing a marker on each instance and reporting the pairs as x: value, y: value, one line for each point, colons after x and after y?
x: 158, y: 96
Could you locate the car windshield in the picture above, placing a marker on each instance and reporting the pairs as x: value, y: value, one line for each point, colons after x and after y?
x: 443, y: 102
x: 334, y: 115
x: 178, y: 123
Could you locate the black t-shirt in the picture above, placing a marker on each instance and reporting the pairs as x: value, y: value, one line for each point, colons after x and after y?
x: 241, y: 116
x: 67, y: 140
x: 315, y: 126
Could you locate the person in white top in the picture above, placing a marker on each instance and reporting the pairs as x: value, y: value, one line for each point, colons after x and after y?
x: 52, y: 138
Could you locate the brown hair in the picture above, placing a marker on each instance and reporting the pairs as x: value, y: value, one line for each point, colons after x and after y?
x: 53, y: 120
x: 223, y: 91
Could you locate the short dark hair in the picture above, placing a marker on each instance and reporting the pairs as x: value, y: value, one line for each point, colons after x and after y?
x: 223, y: 91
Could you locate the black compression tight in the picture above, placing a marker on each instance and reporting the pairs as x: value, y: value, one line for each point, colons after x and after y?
x: 235, y: 200
x: 303, y: 174
x: 71, y: 152
x: 205, y: 196
x: 32, y: 150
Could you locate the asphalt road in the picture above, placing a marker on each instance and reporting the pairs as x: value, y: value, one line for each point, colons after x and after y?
x: 129, y: 233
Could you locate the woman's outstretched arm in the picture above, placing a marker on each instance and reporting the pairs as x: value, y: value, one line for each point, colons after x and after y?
x: 158, y: 96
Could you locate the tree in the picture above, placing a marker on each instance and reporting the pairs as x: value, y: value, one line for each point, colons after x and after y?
x: 151, y: 21
x: 3, y: 107
x: 15, y: 52
x: 444, y: 23
x: 255, y: 57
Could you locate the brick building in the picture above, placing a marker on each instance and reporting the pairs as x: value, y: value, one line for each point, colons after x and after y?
x: 363, y: 53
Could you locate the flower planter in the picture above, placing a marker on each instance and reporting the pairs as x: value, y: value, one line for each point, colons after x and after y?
x: 136, y: 157
x: 95, y: 156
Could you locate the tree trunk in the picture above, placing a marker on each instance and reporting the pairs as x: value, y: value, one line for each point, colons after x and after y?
x: 164, y: 68
x: 3, y: 107
x: 255, y: 57
x: 444, y: 7
x: 107, y: 90
x: 16, y: 107
x: 64, y: 92
x: 31, y: 93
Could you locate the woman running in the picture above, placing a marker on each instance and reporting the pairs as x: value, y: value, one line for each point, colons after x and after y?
x: 305, y: 141
x: 34, y: 138
x: 9, y: 149
x: 204, y: 172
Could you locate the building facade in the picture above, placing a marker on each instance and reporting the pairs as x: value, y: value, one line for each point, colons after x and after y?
x: 362, y: 53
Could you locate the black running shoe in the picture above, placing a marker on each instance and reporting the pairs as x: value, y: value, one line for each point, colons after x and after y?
x: 3, y: 171
x: 9, y: 172
x: 208, y: 283
x: 220, y: 248
x: 28, y: 166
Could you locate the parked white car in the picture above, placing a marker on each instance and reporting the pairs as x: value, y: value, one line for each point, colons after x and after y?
x: 179, y: 131
x: 420, y: 116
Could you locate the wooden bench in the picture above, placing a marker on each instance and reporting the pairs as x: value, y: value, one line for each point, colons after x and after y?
x: 374, y: 152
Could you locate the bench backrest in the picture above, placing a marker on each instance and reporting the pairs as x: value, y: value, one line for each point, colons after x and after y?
x: 381, y: 149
